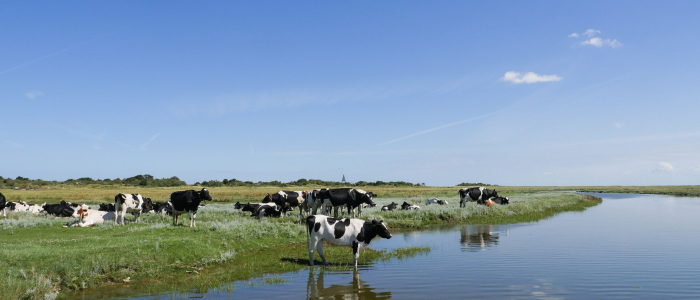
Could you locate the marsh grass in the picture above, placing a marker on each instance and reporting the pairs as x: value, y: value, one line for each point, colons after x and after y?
x: 42, y: 260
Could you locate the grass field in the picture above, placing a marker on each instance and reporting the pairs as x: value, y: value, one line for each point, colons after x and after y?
x: 255, y: 194
x: 42, y: 260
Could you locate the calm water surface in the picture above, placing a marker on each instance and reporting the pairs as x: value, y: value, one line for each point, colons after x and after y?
x: 628, y: 247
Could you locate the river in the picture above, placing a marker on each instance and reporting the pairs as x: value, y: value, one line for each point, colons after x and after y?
x: 628, y: 247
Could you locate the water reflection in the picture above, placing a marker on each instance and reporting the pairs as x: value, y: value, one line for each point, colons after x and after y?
x: 356, y: 289
x: 479, y: 237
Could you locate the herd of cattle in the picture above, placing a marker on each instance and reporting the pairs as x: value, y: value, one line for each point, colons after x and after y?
x: 355, y: 233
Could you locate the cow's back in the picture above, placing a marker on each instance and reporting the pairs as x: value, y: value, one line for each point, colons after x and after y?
x: 185, y: 200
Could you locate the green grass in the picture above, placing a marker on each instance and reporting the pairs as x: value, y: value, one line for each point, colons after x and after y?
x: 42, y: 260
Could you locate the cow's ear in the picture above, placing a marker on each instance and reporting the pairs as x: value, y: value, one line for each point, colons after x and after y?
x: 374, y: 222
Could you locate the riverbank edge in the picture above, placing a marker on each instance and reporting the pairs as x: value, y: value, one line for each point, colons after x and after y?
x: 278, y: 257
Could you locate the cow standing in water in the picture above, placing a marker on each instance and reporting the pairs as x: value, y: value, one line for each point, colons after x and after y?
x: 478, y: 194
x: 355, y: 233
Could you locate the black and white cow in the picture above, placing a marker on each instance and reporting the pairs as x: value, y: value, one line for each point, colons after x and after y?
x: 348, y: 197
x: 288, y: 199
x: 253, y: 207
x: 188, y: 202
x: 163, y: 208
x: 355, y: 233
x: 268, y: 211
x: 389, y: 207
x: 3, y: 204
x: 108, y: 207
x: 478, y: 194
x: 127, y: 203
x: 435, y: 201
x: 497, y: 200
x: 62, y: 209
x: 407, y: 206
x: 147, y: 206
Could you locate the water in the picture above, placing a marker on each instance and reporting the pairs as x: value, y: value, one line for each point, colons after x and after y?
x: 629, y: 247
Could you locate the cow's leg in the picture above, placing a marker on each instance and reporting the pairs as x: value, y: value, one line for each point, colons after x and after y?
x: 194, y: 220
x: 4, y: 213
x: 116, y: 214
x: 138, y: 216
x: 189, y: 214
x: 320, y: 252
x: 356, y: 251
x: 312, y: 245
x: 174, y: 219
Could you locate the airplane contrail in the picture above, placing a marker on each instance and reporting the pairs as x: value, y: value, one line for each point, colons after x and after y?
x: 440, y: 127
x: 52, y: 54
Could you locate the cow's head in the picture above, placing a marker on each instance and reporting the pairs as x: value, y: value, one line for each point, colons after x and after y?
x: 147, y: 205
x: 238, y: 205
x: 368, y: 199
x: 81, y: 212
x: 204, y: 194
x: 381, y: 229
x: 267, y: 198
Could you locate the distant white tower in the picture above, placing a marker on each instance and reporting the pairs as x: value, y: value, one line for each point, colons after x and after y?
x: 343, y: 181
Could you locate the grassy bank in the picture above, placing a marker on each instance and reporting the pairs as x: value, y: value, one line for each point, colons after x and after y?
x: 41, y: 258
x: 255, y: 194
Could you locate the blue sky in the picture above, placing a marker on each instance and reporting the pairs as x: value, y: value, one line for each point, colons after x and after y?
x: 502, y: 92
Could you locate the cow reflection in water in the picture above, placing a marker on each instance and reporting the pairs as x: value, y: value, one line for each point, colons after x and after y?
x: 478, y: 237
x: 357, y: 289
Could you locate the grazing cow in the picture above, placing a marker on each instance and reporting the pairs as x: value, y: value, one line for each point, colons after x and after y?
x: 389, y: 207
x: 62, y: 209
x: 355, y: 233
x: 407, y: 206
x: 478, y: 194
x: 238, y: 205
x: 351, y: 198
x: 131, y: 203
x: 497, y: 201
x: 435, y: 201
x: 188, y: 202
x: 88, y: 217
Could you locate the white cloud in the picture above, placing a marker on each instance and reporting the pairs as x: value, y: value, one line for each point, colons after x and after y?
x: 663, y: 167
x: 618, y: 125
x: 529, y: 77
x: 591, y: 32
x: 14, y: 144
x: 598, y: 42
x: 573, y: 35
x: 33, y: 94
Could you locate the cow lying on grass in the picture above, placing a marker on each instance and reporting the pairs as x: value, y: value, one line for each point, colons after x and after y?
x: 407, y: 206
x: 497, y: 201
x: 89, y: 217
x: 436, y: 201
x: 355, y: 233
x: 389, y: 207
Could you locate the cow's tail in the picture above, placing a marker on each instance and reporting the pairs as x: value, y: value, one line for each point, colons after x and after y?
x: 310, y: 222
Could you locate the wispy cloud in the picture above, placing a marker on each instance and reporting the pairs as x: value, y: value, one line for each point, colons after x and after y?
x: 598, y: 42
x: 592, y: 40
x: 14, y: 144
x: 618, y: 125
x: 663, y: 167
x: 529, y: 77
x: 33, y: 95
x: 144, y: 146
